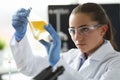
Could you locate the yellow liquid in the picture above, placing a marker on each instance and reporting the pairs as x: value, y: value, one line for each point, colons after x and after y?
x: 38, y: 25
x: 37, y: 28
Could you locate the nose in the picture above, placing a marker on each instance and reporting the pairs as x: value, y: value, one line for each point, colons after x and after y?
x: 77, y: 36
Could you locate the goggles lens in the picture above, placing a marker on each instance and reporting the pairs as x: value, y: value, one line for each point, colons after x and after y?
x: 82, y: 30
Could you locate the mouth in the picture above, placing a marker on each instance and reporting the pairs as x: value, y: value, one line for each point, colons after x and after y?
x: 80, y: 45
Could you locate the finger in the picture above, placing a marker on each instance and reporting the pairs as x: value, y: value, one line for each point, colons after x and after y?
x: 18, y: 23
x: 23, y: 12
x: 46, y: 44
x: 29, y: 10
x: 52, y: 32
x: 19, y: 18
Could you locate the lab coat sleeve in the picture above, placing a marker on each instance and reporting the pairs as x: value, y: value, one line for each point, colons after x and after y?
x: 30, y: 65
x: 26, y: 62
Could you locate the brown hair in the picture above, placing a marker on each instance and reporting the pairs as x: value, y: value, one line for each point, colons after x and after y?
x: 98, y: 14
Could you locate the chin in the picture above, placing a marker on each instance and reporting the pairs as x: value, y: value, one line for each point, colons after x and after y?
x: 82, y: 49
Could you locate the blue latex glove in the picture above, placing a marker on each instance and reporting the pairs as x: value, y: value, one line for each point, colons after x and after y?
x: 53, y: 48
x: 19, y: 22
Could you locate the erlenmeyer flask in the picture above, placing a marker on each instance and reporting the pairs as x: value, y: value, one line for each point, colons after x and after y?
x: 37, y: 25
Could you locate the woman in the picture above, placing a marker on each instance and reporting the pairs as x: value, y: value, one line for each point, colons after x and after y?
x: 95, y: 58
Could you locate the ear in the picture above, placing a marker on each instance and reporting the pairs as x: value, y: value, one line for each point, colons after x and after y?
x: 104, y: 29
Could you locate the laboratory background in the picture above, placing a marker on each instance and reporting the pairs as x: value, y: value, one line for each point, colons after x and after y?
x: 55, y: 12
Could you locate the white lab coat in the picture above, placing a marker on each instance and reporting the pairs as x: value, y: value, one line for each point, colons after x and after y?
x: 103, y: 64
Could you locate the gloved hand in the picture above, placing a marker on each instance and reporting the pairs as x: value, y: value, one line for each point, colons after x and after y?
x: 53, y: 48
x: 19, y: 22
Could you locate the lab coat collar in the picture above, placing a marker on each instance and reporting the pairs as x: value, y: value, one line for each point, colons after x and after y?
x: 95, y: 59
x: 102, y: 52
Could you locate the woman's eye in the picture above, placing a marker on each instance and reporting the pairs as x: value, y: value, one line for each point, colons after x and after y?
x: 84, y: 29
x: 72, y: 31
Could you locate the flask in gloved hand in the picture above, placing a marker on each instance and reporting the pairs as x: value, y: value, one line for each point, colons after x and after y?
x: 37, y: 27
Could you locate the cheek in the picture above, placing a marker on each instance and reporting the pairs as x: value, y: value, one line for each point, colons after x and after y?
x: 93, y: 39
x: 73, y: 39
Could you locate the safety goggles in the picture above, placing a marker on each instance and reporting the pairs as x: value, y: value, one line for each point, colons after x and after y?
x: 83, y: 30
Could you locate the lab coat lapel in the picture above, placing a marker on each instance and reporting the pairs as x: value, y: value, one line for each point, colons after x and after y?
x: 76, y: 63
x: 88, y: 68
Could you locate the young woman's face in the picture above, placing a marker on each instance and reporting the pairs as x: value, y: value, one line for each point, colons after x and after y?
x: 84, y: 34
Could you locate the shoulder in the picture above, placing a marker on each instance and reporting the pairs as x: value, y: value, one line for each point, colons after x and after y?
x: 71, y: 54
x: 115, y: 61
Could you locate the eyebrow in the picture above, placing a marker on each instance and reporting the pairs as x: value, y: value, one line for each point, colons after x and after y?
x: 79, y: 26
x: 83, y: 25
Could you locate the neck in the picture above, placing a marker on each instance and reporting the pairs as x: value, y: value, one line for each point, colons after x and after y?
x: 86, y: 54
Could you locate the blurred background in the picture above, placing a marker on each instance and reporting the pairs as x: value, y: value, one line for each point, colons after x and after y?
x: 55, y: 12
